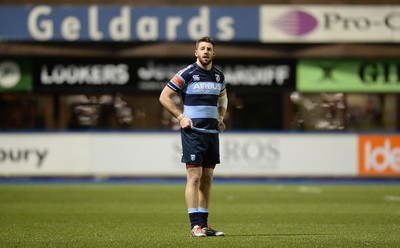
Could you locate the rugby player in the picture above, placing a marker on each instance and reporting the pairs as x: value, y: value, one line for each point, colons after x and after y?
x: 203, y: 91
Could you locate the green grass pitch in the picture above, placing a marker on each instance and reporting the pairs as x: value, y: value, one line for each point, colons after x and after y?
x: 154, y: 215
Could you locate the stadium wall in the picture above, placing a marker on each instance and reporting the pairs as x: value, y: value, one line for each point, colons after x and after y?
x: 157, y: 154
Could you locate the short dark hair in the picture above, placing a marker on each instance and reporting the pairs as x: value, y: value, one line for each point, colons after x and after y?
x: 205, y: 39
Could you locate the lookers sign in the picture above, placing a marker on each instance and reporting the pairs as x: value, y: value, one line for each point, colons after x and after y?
x: 263, y: 23
x: 81, y: 75
x: 145, y: 74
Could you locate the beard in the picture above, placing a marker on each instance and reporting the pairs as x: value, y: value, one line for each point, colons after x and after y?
x: 205, y: 61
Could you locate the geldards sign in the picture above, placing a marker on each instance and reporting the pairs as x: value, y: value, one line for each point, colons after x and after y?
x: 378, y: 75
x: 259, y: 23
x: 127, y: 23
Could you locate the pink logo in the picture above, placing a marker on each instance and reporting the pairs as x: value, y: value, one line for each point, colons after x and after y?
x: 296, y: 23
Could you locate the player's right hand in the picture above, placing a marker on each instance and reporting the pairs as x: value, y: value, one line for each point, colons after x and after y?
x: 186, y: 122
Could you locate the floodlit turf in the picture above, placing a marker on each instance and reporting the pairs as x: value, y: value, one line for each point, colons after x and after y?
x: 145, y: 215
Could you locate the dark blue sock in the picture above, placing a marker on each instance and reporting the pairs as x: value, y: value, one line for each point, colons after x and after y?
x: 203, y: 217
x: 194, y: 217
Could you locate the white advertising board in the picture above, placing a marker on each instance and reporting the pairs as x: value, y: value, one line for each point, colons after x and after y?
x: 137, y: 154
x: 44, y: 154
x: 158, y: 154
x: 261, y: 154
x: 246, y: 154
x: 329, y: 23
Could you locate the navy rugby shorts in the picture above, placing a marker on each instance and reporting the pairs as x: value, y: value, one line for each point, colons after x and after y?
x: 199, y: 148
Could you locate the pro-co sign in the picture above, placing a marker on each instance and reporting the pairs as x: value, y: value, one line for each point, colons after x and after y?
x: 379, y: 155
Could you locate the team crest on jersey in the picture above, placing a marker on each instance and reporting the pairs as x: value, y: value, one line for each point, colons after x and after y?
x: 217, y: 78
x: 192, y: 157
x: 196, y: 78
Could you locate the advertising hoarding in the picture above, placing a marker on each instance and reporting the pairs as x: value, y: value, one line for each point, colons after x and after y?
x: 77, y: 75
x: 158, y: 154
x: 15, y: 75
x: 26, y: 154
x: 379, y: 155
x: 333, y: 75
x: 329, y: 23
x: 154, y: 154
x: 116, y: 23
x: 258, y: 23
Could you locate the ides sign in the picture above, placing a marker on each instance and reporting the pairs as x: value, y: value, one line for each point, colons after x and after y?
x: 379, y: 155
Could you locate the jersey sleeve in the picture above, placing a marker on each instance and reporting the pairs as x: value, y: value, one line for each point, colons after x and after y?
x: 176, y: 83
x: 179, y: 80
x: 223, y: 86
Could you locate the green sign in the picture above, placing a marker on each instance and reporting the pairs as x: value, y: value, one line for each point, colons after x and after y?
x: 334, y: 75
x: 15, y: 75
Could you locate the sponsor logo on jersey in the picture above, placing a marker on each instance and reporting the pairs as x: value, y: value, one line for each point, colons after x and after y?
x: 217, y: 78
x: 176, y: 80
x: 206, y: 88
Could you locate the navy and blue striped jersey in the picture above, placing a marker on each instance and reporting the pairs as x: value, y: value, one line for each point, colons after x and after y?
x: 200, y: 90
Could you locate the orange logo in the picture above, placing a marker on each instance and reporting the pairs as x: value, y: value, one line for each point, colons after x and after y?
x: 177, y: 81
x: 379, y: 155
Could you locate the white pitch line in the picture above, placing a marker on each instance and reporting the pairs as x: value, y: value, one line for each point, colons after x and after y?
x: 310, y: 190
x: 394, y: 198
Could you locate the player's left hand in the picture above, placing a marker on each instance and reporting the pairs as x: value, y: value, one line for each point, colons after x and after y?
x: 221, y: 125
